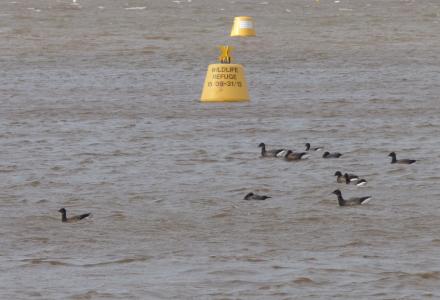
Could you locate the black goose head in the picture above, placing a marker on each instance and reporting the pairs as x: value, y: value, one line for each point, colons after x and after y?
x: 63, y: 214
x: 337, y: 192
x: 261, y: 145
x: 307, y: 146
x: 338, y: 173
x: 393, y: 156
x: 326, y: 154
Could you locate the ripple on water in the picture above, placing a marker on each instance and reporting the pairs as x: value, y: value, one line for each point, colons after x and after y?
x: 51, y: 262
x: 303, y: 281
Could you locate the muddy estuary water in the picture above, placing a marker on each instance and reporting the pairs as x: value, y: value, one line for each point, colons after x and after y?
x: 100, y: 113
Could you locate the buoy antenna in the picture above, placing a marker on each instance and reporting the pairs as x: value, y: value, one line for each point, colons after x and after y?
x: 225, y: 54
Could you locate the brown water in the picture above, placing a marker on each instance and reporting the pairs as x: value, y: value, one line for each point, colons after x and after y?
x: 99, y: 113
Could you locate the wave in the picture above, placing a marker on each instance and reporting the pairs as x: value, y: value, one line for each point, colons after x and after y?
x: 45, y: 261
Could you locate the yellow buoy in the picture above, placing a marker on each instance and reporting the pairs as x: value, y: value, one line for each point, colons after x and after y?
x: 243, y: 26
x: 225, y: 82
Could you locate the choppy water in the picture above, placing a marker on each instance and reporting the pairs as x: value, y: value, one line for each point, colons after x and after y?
x: 99, y: 113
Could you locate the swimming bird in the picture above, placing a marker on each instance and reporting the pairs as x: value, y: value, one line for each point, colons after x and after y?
x: 349, y: 179
x: 331, y: 155
x: 342, y: 178
x: 71, y: 219
x: 400, y: 161
x: 361, y: 182
x: 313, y: 149
x: 252, y: 196
x: 282, y: 153
x: 291, y: 156
x: 268, y: 153
x: 351, y: 201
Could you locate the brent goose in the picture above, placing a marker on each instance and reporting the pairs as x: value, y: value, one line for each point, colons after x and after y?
x: 291, y: 156
x: 282, y: 153
x: 268, y: 153
x: 331, y: 155
x: 351, y: 201
x: 252, y: 196
x: 400, y: 161
x: 312, y: 149
x: 361, y: 182
x: 71, y: 219
x: 342, y: 178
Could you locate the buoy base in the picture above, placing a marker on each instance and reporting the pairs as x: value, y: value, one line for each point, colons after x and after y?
x: 225, y: 83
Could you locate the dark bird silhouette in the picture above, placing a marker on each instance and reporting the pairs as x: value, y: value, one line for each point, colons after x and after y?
x: 331, y: 155
x: 342, y: 178
x: 358, y: 181
x: 351, y: 201
x: 394, y: 159
x: 282, y: 153
x: 71, y: 219
x: 252, y: 196
x: 268, y: 153
x: 312, y: 149
x: 291, y: 156
x: 361, y: 182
